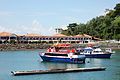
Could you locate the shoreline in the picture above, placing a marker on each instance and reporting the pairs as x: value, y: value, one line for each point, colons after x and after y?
x: 20, y: 47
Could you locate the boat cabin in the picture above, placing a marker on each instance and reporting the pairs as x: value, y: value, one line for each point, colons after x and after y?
x: 61, y: 48
x: 90, y: 50
x: 109, y: 50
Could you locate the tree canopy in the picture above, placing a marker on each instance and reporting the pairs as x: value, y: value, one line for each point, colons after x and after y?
x: 104, y: 27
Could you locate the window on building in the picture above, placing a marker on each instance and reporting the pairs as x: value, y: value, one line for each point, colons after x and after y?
x: 61, y: 38
x: 76, y: 38
x: 66, y: 38
x: 50, y: 38
x: 73, y: 39
x: 69, y: 38
x: 53, y: 38
x: 57, y: 38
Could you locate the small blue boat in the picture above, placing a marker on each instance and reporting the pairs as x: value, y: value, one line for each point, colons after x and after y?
x: 98, y: 55
x: 90, y: 52
x: 59, y: 57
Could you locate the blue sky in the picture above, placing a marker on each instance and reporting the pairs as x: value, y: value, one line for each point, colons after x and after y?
x: 43, y: 16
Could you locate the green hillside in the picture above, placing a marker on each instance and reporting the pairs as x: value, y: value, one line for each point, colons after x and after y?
x: 105, y: 27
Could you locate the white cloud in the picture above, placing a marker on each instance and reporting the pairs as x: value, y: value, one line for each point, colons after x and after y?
x: 76, y: 10
x: 71, y: 19
x: 2, y: 28
x: 28, y: 13
x: 40, y: 13
x: 51, y: 31
x: 34, y: 27
x: 6, y: 29
x: 38, y: 27
x: 5, y: 13
x: 64, y: 27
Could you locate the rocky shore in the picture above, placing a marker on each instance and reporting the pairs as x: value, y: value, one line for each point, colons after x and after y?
x: 110, y: 45
x: 13, y: 47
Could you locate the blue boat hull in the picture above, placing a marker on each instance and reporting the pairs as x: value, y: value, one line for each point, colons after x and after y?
x: 98, y: 55
x: 66, y: 60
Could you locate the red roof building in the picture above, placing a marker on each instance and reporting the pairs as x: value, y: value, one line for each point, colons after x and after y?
x: 84, y: 38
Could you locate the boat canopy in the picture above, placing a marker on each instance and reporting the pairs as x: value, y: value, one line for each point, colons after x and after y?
x: 88, y: 49
x: 97, y: 49
x: 62, y: 45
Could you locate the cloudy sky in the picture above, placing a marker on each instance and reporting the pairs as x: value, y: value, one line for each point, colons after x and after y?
x: 43, y: 16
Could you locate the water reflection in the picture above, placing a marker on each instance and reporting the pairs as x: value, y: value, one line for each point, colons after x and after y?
x: 90, y: 62
x: 95, y: 62
x: 53, y: 65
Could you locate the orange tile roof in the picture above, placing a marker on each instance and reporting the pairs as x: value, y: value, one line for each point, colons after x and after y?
x: 97, y: 38
x: 85, y: 35
x: 5, y: 34
x: 33, y: 35
x: 20, y: 35
x: 79, y: 35
x: 60, y: 35
x: 62, y: 45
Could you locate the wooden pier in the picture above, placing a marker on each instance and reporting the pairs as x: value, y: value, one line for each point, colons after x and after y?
x: 15, y: 73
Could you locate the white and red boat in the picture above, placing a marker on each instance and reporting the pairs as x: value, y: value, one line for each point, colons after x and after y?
x: 62, y: 53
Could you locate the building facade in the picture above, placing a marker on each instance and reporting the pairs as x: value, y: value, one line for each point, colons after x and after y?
x: 30, y: 38
x: 6, y: 37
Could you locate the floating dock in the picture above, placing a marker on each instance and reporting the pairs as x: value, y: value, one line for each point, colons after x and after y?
x: 15, y: 73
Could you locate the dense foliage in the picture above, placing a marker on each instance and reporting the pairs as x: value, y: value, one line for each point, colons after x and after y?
x: 104, y: 27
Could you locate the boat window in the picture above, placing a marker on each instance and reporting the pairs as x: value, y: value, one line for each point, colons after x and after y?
x: 55, y: 54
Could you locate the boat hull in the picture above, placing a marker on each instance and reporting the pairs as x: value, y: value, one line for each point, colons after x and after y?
x: 65, y: 60
x: 98, y: 55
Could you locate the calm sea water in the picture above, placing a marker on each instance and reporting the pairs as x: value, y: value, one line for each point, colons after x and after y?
x: 30, y: 60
